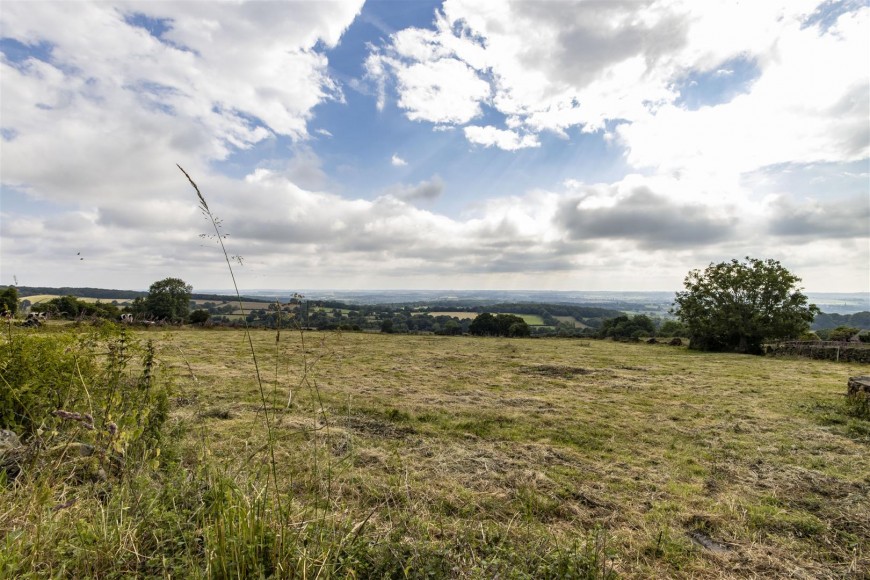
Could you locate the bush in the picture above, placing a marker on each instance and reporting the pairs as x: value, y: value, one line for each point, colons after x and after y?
x: 98, y: 389
x: 199, y: 316
x: 624, y: 327
x: 842, y: 333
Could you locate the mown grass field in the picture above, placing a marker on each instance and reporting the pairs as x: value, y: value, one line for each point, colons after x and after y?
x: 37, y: 298
x: 682, y: 464
x: 459, y: 457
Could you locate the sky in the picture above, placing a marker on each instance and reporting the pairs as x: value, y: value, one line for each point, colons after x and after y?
x: 455, y: 144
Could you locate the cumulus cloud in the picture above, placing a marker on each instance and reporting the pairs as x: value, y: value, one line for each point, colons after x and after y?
x: 643, y: 216
x: 425, y: 190
x: 800, y: 110
x: 814, y: 219
x: 165, y: 82
x: 503, y: 139
x: 551, y: 67
x: 122, y: 91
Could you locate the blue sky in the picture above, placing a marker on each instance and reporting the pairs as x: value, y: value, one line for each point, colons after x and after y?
x: 448, y: 145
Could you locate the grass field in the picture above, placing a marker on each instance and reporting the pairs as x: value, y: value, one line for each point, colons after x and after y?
x: 37, y: 298
x: 571, y: 320
x: 478, y: 458
x: 691, y: 465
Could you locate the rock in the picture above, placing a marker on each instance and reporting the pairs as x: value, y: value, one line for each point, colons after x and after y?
x: 859, y: 387
x: 8, y: 441
x: 676, y: 342
x: 11, y: 451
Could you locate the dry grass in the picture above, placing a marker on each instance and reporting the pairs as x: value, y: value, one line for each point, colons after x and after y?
x: 696, y: 465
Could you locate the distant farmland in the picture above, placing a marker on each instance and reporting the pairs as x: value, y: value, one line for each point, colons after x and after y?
x: 531, y: 319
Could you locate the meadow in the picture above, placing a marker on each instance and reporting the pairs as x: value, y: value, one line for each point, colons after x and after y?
x: 376, y: 455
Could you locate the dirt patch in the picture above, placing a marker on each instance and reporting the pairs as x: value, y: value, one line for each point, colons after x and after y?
x: 374, y: 427
x: 558, y: 371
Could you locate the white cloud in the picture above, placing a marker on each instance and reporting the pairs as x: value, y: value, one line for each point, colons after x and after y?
x: 802, y: 109
x: 100, y: 126
x: 441, y: 91
x: 425, y: 190
x: 562, y: 65
x: 130, y: 104
x: 397, y: 161
x: 508, y: 140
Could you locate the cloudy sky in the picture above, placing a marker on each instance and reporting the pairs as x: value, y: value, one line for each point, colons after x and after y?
x: 463, y: 144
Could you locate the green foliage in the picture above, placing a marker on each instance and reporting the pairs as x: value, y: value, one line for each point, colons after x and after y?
x: 734, y: 306
x: 510, y: 325
x: 842, y: 333
x: 9, y: 299
x: 672, y: 328
x: 199, y: 316
x: 833, y: 320
x: 97, y: 389
x: 167, y: 299
x: 625, y: 327
x: 72, y: 307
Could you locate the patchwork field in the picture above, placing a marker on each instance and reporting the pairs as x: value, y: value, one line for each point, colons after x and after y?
x: 662, y: 461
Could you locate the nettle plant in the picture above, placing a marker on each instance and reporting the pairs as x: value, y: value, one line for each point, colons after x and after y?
x: 93, y: 399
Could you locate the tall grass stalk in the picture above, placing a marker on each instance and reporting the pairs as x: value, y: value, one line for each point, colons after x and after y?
x: 203, y: 206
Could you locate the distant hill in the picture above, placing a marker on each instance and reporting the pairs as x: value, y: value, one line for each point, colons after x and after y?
x: 857, y: 320
x: 108, y: 294
x: 101, y: 293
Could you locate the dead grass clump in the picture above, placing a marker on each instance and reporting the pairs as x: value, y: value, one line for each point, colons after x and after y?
x: 374, y: 427
x: 557, y: 371
x: 217, y: 413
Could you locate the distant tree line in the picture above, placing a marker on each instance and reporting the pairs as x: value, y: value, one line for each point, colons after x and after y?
x: 71, y: 307
x: 859, y: 320
x: 509, y: 325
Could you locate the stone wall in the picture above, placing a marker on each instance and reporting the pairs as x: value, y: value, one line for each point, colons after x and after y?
x: 838, y: 351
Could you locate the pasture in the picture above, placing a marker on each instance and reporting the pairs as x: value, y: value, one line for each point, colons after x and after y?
x: 684, y: 464
x: 429, y: 456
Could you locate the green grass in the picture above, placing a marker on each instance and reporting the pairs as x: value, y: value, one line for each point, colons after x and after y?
x: 474, y: 457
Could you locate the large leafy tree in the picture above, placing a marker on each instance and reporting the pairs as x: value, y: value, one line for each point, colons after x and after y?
x: 486, y: 324
x: 9, y: 299
x: 735, y: 306
x: 168, y: 298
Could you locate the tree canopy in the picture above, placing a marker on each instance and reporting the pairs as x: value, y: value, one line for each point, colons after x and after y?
x: 625, y: 327
x: 167, y: 299
x: 9, y: 299
x: 486, y: 324
x: 735, y: 306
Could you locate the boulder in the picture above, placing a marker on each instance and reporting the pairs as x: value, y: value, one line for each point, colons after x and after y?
x: 8, y: 441
x: 859, y: 387
x: 676, y: 342
x: 11, y: 452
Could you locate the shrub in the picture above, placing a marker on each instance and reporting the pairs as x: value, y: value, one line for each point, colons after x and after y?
x: 98, y: 389
x: 842, y: 333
